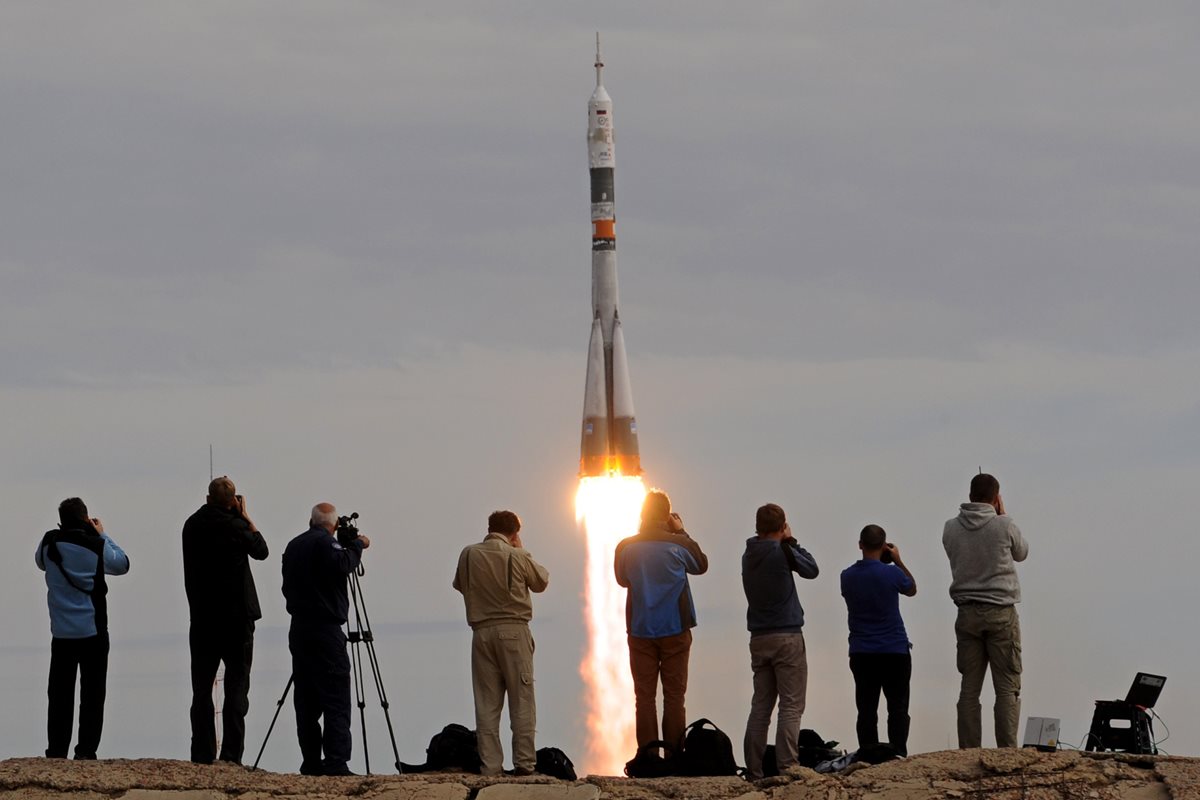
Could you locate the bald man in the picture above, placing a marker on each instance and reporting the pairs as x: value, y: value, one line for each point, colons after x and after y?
x: 315, y: 569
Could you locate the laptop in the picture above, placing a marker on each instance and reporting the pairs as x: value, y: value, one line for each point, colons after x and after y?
x: 1145, y: 690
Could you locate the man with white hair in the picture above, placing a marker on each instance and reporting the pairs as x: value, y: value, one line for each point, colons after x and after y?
x: 315, y: 570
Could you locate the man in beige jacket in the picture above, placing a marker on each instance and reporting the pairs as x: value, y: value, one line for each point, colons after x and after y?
x: 495, y: 577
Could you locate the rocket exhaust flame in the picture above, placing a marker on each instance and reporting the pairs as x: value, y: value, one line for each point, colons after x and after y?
x: 609, y: 508
x: 609, y: 500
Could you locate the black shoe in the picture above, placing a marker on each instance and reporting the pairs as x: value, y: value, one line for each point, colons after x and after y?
x: 337, y: 770
x: 310, y: 769
x: 85, y: 756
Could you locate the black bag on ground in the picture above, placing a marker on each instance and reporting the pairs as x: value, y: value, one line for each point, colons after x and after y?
x: 554, y: 762
x: 454, y: 748
x: 812, y: 749
x: 706, y: 751
x: 649, y: 764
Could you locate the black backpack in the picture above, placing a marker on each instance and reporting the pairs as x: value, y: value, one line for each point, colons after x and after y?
x: 554, y: 762
x: 811, y: 750
x: 454, y: 748
x: 706, y: 751
x: 649, y: 764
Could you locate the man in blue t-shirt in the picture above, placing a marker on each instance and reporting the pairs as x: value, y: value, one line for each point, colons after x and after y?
x: 879, y: 646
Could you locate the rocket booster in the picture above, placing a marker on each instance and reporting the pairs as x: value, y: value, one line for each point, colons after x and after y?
x: 609, y: 441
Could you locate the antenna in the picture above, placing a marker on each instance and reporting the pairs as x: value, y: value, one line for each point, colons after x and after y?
x: 210, y: 463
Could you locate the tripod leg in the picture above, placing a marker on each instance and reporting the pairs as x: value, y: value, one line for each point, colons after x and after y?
x: 383, y: 701
x: 278, y: 708
x: 360, y: 601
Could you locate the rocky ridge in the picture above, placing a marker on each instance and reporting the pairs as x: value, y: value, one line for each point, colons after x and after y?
x: 965, y: 774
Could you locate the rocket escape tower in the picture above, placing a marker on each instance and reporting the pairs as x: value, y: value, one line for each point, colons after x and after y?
x: 609, y: 442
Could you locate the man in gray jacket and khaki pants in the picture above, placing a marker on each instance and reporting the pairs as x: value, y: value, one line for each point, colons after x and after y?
x: 983, y: 545
x: 495, y: 577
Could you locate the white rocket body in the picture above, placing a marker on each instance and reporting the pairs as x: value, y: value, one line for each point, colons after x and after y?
x: 609, y: 438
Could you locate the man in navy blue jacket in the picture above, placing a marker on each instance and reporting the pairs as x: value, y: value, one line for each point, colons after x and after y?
x: 776, y: 623
x: 316, y: 567
x: 879, y: 646
x: 75, y: 558
x: 659, y: 614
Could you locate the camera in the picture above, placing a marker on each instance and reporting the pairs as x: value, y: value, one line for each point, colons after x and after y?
x: 886, y: 555
x: 347, y: 529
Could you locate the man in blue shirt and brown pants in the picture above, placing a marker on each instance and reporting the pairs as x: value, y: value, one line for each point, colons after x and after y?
x: 879, y: 646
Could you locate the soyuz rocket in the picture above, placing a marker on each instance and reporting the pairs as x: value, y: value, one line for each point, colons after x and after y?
x: 609, y: 441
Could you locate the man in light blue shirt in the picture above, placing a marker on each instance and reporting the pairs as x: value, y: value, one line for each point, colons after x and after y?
x: 75, y: 557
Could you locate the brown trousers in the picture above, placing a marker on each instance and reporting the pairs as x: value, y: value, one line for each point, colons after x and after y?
x: 502, y: 663
x: 650, y: 660
x: 988, y: 636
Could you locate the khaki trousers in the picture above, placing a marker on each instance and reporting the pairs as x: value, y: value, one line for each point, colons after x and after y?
x: 988, y: 636
x: 502, y: 663
x: 780, y: 664
x: 649, y: 660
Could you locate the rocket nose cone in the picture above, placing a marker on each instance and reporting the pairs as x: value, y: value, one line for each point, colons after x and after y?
x: 600, y: 95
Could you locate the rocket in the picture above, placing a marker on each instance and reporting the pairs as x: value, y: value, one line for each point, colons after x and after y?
x: 609, y: 441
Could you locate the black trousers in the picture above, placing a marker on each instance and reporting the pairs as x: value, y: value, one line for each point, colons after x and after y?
x: 321, y: 671
x: 88, y: 657
x: 233, y: 644
x: 891, y: 673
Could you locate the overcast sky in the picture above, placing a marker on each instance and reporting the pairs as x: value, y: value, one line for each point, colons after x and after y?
x: 865, y: 249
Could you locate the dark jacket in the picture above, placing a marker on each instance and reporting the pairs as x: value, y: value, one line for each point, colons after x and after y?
x: 315, y: 568
x: 217, y: 546
x: 772, y: 603
x: 654, y: 566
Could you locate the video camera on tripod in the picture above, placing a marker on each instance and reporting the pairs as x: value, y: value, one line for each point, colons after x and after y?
x: 347, y: 529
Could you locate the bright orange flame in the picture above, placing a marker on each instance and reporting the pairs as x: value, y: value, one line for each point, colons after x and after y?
x: 609, y: 508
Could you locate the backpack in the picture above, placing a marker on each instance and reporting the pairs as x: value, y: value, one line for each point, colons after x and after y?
x: 706, y: 751
x: 649, y: 764
x: 554, y: 762
x: 454, y: 748
x: 811, y: 750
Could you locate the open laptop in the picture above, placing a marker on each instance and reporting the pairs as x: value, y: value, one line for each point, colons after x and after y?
x: 1145, y: 690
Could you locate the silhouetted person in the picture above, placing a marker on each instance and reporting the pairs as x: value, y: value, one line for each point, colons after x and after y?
x: 218, y: 541
x: 983, y: 544
x: 879, y: 648
x: 495, y: 577
x: 775, y: 620
x: 659, y: 614
x: 316, y: 567
x: 76, y: 557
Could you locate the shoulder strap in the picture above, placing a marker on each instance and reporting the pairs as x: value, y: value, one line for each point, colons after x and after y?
x: 50, y: 543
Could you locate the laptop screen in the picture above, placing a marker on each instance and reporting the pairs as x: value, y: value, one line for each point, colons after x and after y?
x: 1145, y: 690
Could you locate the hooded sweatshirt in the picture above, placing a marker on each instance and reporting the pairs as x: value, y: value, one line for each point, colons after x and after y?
x: 983, y: 548
x: 772, y: 605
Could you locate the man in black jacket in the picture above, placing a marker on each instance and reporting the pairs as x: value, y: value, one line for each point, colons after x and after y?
x: 315, y: 570
x: 217, y: 541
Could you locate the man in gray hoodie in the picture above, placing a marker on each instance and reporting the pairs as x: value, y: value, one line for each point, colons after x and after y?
x: 983, y: 544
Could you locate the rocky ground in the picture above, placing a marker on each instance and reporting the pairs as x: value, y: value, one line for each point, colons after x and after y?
x: 967, y: 774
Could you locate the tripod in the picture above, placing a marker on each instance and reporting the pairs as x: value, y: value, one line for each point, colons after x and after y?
x: 357, y: 635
